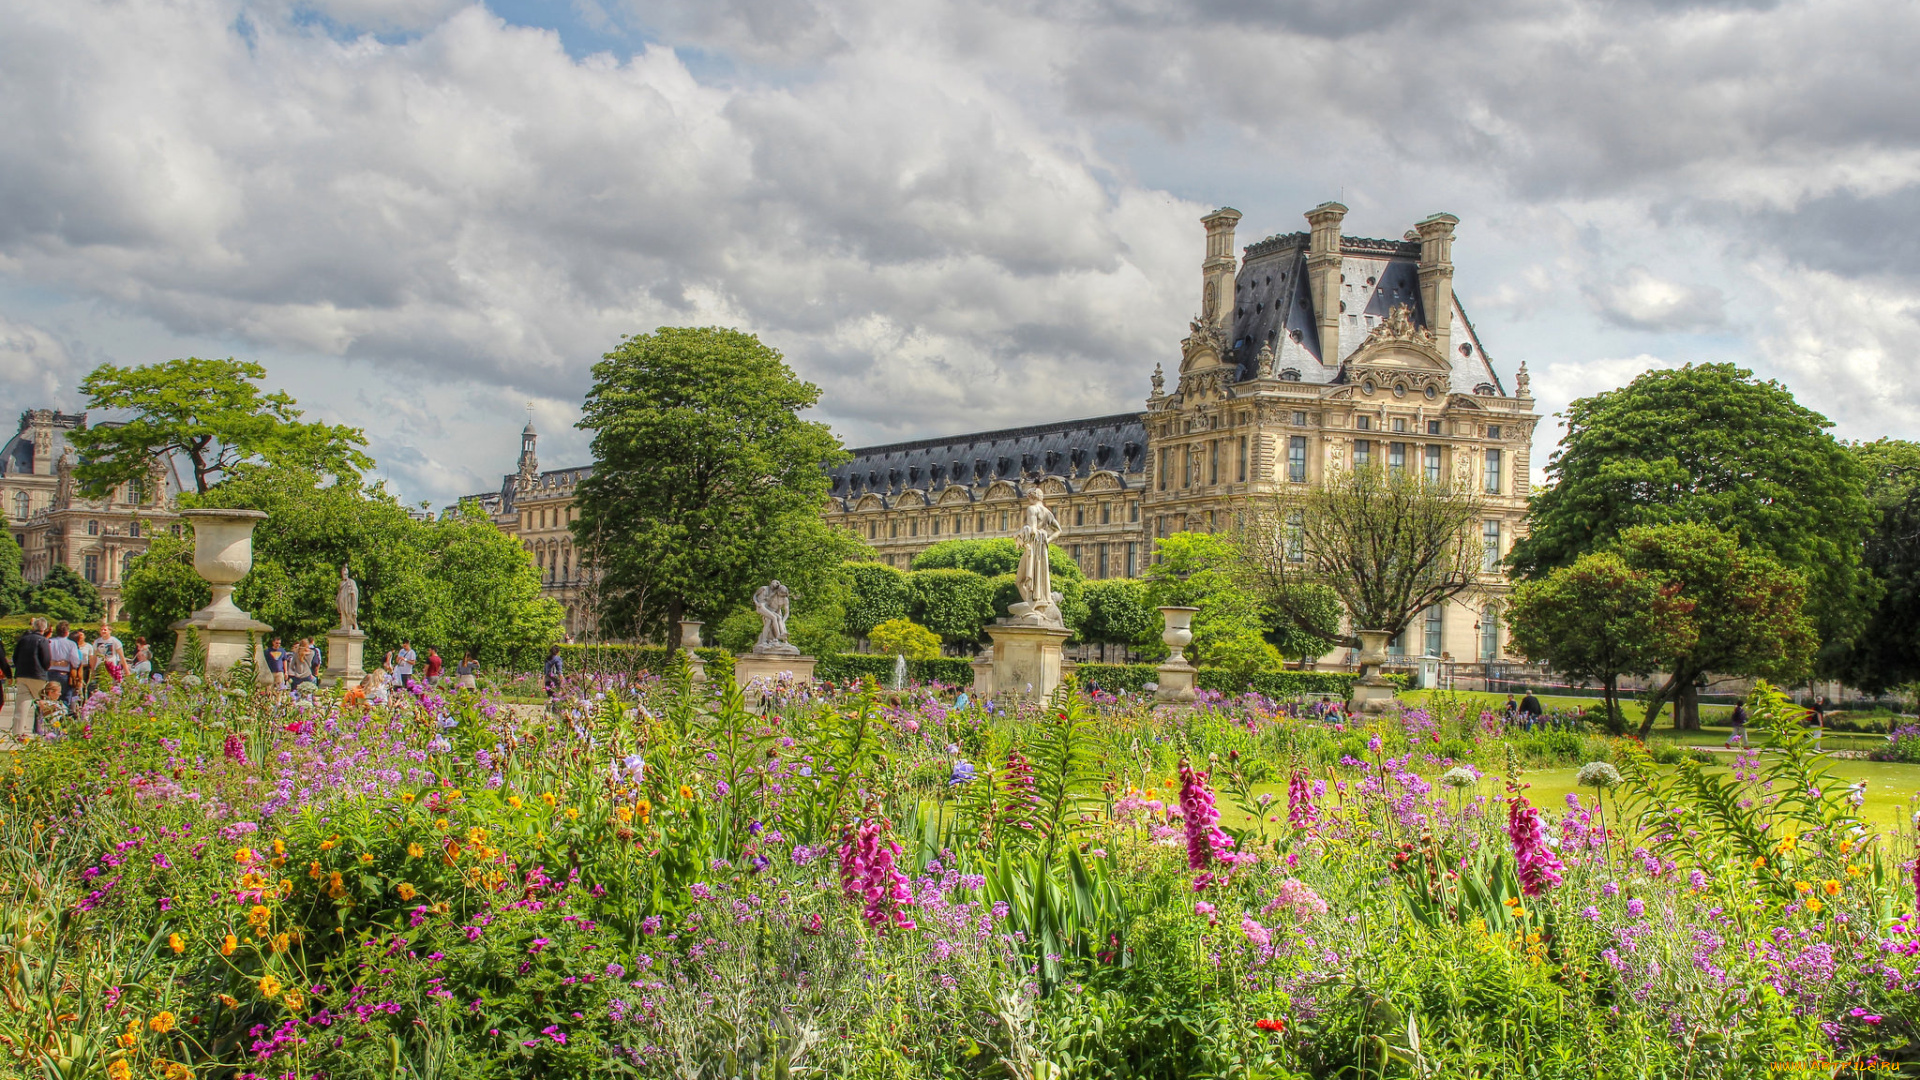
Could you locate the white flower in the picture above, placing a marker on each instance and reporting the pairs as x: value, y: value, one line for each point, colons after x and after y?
x: 1597, y: 774
x: 1458, y: 777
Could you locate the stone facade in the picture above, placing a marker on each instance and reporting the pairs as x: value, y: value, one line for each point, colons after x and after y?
x: 1312, y: 351
x: 54, y: 525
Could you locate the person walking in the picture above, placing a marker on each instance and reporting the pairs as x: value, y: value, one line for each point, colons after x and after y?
x: 66, y: 660
x: 1817, y: 717
x: 464, y: 675
x: 553, y: 671
x: 32, y: 668
x: 434, y: 664
x: 1530, y: 710
x: 405, y: 659
x: 1739, y: 726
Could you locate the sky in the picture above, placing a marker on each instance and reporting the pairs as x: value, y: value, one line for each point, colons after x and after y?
x: 423, y: 216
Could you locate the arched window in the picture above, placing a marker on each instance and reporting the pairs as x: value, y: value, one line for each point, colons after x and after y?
x: 22, y: 502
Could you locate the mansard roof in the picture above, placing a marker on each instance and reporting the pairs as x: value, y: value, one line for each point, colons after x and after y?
x: 551, y: 481
x: 1273, y: 305
x: 1069, y: 448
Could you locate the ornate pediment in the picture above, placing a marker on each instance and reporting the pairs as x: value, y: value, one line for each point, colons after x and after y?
x: 1105, y: 480
x: 1002, y: 489
x: 1202, y: 349
x: 955, y: 495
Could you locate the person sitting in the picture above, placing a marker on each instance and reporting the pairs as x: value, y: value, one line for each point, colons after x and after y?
x: 52, y: 709
x: 374, y: 685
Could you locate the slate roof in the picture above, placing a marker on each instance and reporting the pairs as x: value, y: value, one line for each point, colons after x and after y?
x: 1069, y: 448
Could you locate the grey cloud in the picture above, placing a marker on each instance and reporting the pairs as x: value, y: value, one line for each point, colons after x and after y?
x: 1639, y: 299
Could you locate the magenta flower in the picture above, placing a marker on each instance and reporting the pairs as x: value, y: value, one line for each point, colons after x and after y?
x: 1301, y: 813
x: 869, y: 872
x: 1205, y: 842
x: 1538, y: 867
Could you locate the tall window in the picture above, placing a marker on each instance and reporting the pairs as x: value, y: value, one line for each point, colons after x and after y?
x: 1363, y: 423
x: 1163, y: 471
x: 126, y: 564
x: 1106, y: 513
x: 1213, y: 461
x: 93, y: 528
x: 1003, y: 520
x: 1489, y: 633
x: 1079, y: 515
x: 1433, y: 464
x: 1399, y: 423
x: 979, y: 523
x: 1435, y: 624
x: 1297, y: 458
x: 956, y: 524
x: 133, y: 528
x: 913, y: 527
x: 1133, y: 559
x: 1191, y: 474
x: 1396, y: 457
x: 1299, y: 418
x: 92, y: 563
x: 1133, y: 511
x: 1493, y: 472
x: 934, y: 525
x: 1296, y: 538
x: 1491, y: 533
x: 1102, y: 565
x: 1433, y: 427
x: 1242, y: 456
x: 1362, y: 452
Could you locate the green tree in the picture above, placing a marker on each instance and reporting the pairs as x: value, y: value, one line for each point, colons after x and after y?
x: 13, y: 587
x: 1747, y: 609
x: 988, y: 558
x: 1711, y: 444
x: 209, y: 412
x: 1311, y: 628
x: 1886, y: 654
x: 701, y: 461
x: 899, y: 637
x: 1118, y: 613
x: 877, y: 593
x: 1198, y: 570
x: 1601, y: 619
x: 63, y: 594
x: 160, y: 588
x: 956, y: 604
x: 1389, y: 544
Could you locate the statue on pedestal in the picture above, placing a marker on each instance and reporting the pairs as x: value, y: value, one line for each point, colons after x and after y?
x: 773, y: 603
x: 347, y: 601
x: 1040, y: 605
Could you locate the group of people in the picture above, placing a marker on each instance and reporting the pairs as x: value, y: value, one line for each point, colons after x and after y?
x: 54, y: 667
x: 298, y: 669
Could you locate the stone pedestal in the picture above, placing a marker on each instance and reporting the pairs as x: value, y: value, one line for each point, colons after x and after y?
x: 1372, y: 693
x: 690, y: 640
x: 345, y: 650
x: 1026, y: 659
x: 1176, y: 674
x: 770, y: 666
x: 222, y: 554
x: 983, y: 673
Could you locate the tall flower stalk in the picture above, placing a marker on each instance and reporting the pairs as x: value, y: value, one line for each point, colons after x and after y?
x: 1539, y: 869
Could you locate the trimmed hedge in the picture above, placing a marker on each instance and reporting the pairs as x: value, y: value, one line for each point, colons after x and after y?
x: 626, y: 659
x: 846, y: 667
x: 1133, y: 678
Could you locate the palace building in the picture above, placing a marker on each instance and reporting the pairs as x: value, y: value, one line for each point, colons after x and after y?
x: 1313, y: 351
x: 55, y: 526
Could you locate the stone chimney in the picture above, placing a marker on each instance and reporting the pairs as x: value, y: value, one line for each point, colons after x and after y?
x: 1436, y: 278
x: 1216, y: 274
x: 1323, y: 275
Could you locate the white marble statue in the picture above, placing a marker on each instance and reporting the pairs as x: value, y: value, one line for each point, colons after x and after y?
x: 773, y: 602
x: 347, y: 601
x: 1040, y: 605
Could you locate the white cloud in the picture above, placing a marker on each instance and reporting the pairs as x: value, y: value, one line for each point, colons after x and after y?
x: 36, y: 368
x: 1641, y: 300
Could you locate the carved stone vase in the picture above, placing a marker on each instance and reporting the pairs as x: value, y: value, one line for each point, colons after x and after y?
x: 222, y: 554
x: 1372, y: 692
x: 1176, y: 673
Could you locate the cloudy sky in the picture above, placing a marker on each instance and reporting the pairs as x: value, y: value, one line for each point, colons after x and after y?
x: 950, y: 214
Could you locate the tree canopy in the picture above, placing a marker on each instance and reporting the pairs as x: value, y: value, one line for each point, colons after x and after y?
x: 1886, y: 654
x: 457, y: 583
x: 210, y: 413
x: 64, y: 594
x: 1711, y: 444
x: 1199, y: 570
x: 1120, y: 612
x: 701, y: 461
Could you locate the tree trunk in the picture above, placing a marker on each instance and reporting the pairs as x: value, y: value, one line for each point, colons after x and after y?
x: 1610, y: 692
x: 1660, y: 698
x: 675, y: 607
x: 1686, y: 707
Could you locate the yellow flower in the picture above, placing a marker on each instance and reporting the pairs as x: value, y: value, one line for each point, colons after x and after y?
x: 414, y: 851
x: 177, y: 1071
x: 407, y: 797
x: 454, y: 794
x: 686, y: 792
x: 119, y: 1070
x: 259, y: 915
x: 645, y: 809
x: 226, y: 999
x: 336, y: 886
x: 1846, y: 846
x: 1802, y: 886
x: 1759, y: 861
x: 514, y: 801
x: 279, y: 847
x: 1814, y: 905
x: 547, y: 797
x: 407, y: 892
x: 313, y: 870
x: 251, y: 880
x: 162, y: 1023
x: 127, y: 1039
x: 441, y: 824
x: 1831, y: 886
x: 573, y: 814
x: 279, y: 943
x: 1854, y: 871
x: 176, y: 943
x: 327, y: 845
x: 293, y: 1000
x: 365, y: 858
x: 243, y: 855
x: 1784, y: 846
x: 476, y: 836
x: 269, y: 986
x: 228, y: 944
x: 286, y: 887
x: 625, y: 814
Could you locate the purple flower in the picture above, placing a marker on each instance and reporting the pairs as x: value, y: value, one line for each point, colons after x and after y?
x: 1205, y: 841
x: 1636, y: 907
x: 539, y: 945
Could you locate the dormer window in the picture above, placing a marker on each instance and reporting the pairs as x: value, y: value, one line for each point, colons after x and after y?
x: 1290, y: 375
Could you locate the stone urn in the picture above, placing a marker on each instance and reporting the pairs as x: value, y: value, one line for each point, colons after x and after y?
x: 1176, y: 673
x: 1371, y: 692
x: 223, y: 554
x: 690, y: 640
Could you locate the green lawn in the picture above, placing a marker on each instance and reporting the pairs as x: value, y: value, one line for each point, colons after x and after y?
x: 1714, y: 730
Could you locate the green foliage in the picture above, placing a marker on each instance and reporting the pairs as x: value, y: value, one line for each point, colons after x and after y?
x: 1120, y: 612
x: 1886, y: 654
x: 899, y: 637
x: 64, y: 594
x: 1311, y: 626
x: 955, y: 604
x: 1229, y: 630
x: 1600, y: 619
x: 211, y: 413
x: 457, y: 583
x: 1748, y: 612
x: 1710, y: 444
x: 703, y: 472
x: 13, y: 588
x: 988, y: 558
x: 878, y: 592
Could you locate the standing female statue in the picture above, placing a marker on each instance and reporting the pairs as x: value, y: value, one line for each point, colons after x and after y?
x: 1034, y: 577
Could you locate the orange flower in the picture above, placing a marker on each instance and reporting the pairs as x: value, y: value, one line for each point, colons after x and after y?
x: 243, y: 855
x: 336, y: 886
x: 175, y: 943
x: 1831, y: 886
x: 228, y: 944
x: 119, y: 1070
x: 162, y: 1023
x: 414, y: 851
x: 259, y: 915
x: 269, y: 986
x: 407, y: 892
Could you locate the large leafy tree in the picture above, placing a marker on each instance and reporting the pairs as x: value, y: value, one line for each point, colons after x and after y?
x: 210, y: 413
x: 1388, y: 544
x: 1120, y: 612
x: 1601, y: 619
x: 956, y: 604
x: 64, y: 594
x: 1711, y: 444
x: 701, y: 460
x: 996, y: 559
x: 1746, y: 608
x: 456, y: 584
x: 877, y: 593
x: 1887, y: 653
x: 1198, y: 570
x: 13, y: 587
